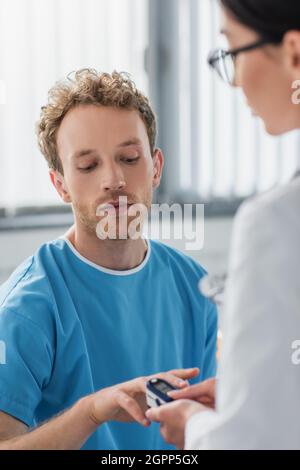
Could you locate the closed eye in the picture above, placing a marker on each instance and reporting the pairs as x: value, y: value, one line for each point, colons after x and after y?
x: 88, y: 168
x: 130, y: 161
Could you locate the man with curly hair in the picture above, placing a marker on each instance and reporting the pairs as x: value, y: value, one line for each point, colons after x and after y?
x: 87, y: 311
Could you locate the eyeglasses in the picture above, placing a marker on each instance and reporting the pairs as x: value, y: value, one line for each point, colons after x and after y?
x: 224, y: 61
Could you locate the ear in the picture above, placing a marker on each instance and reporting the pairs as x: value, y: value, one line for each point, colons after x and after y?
x: 158, y: 164
x: 58, y: 182
x: 291, y: 48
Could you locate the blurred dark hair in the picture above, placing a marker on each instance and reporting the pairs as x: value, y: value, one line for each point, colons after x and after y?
x: 271, y: 19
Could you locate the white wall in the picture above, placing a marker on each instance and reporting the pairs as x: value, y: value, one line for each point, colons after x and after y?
x: 15, y: 246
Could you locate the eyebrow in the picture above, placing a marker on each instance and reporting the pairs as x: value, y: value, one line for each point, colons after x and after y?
x: 130, y: 142
x: 84, y: 153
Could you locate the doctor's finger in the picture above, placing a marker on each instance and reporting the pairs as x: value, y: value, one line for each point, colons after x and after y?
x: 203, y: 389
x: 154, y: 414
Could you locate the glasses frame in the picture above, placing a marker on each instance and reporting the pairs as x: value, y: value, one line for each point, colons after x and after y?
x: 219, y: 54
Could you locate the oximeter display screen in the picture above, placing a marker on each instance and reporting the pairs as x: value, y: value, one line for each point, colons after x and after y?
x: 162, y: 387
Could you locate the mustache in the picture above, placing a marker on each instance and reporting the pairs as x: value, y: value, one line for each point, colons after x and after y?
x: 115, y: 195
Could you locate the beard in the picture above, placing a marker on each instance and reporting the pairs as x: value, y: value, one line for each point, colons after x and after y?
x: 120, y: 225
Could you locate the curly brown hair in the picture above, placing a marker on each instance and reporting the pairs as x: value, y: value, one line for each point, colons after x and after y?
x: 87, y: 86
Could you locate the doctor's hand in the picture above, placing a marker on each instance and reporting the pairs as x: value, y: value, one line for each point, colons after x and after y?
x: 173, y: 418
x: 126, y: 402
x: 204, y: 392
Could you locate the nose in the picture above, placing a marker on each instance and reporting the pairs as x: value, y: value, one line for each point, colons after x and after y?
x: 113, y: 179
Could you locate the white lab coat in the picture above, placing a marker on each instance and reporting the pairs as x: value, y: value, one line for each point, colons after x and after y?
x: 258, y: 397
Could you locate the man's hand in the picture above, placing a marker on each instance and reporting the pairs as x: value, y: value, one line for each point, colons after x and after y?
x: 71, y: 429
x: 173, y: 418
x: 127, y: 401
x: 204, y: 392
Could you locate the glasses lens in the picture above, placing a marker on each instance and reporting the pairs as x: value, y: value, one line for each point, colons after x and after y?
x: 229, y: 69
x: 224, y: 64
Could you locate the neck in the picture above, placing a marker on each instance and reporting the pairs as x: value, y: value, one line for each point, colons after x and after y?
x: 118, y: 255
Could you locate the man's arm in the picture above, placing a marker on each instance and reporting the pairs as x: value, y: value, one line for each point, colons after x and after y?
x: 70, y: 430
x: 10, y: 427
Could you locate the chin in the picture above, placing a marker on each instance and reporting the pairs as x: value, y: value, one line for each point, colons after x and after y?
x: 276, y: 131
x: 279, y: 127
x: 273, y: 132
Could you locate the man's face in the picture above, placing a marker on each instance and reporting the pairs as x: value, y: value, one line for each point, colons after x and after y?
x: 105, y: 154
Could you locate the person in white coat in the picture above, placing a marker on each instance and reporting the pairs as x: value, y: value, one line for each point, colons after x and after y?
x: 255, y: 402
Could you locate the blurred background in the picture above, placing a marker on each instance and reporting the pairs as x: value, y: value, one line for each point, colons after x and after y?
x: 216, y: 152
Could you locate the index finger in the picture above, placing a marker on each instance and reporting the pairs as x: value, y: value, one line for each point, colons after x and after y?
x: 173, y: 380
x: 185, y: 373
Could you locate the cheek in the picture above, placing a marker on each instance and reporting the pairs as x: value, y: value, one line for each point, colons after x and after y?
x: 82, y: 188
x: 250, y: 77
x: 140, y: 176
x: 266, y: 88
